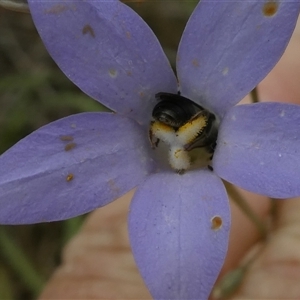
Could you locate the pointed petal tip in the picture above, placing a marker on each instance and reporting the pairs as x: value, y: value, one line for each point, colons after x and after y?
x: 179, y: 233
x: 72, y: 166
x: 228, y: 47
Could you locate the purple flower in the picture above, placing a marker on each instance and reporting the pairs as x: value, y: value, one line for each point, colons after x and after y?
x: 178, y: 224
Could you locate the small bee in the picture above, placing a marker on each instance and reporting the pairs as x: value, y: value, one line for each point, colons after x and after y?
x: 183, y: 125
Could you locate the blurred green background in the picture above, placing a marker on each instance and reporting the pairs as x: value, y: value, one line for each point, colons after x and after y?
x: 34, y: 92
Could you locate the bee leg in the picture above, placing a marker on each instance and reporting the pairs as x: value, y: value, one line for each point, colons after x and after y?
x: 154, y: 144
x: 210, y: 167
x: 180, y: 171
x: 211, y: 149
x: 153, y: 140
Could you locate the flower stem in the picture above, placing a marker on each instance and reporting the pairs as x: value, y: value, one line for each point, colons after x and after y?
x: 232, y: 280
x: 71, y: 227
x: 229, y: 283
x: 15, y: 5
x: 19, y: 263
x: 6, y: 285
x: 244, y: 206
x: 254, y: 95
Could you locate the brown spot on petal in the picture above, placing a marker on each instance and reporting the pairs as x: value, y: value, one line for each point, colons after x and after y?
x: 225, y: 71
x: 87, y: 29
x: 113, y: 73
x: 66, y: 138
x: 113, y: 187
x: 56, y: 9
x: 270, y: 8
x: 70, y: 146
x: 195, y: 63
x: 216, y: 223
x: 70, y: 177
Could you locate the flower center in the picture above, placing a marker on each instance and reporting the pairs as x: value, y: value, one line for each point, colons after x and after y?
x: 183, y: 126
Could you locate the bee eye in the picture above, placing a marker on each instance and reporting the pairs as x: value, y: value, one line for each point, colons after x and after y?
x: 166, y: 116
x: 174, y: 110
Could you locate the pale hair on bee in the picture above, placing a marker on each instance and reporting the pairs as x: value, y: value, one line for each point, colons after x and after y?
x: 183, y: 125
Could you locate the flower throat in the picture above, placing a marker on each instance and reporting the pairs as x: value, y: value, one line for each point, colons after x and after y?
x: 183, y: 126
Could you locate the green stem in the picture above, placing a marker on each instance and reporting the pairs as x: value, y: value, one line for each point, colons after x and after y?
x: 244, y: 206
x: 71, y: 227
x: 6, y: 285
x: 274, y: 209
x: 19, y: 263
x: 254, y: 95
x: 231, y: 281
x: 15, y: 5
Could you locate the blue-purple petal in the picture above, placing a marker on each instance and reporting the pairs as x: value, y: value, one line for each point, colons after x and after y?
x: 228, y: 47
x: 179, y: 227
x: 258, y: 149
x: 72, y: 166
x: 106, y: 49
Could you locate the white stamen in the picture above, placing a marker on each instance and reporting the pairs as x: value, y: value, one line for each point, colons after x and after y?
x: 177, y: 140
x: 179, y: 159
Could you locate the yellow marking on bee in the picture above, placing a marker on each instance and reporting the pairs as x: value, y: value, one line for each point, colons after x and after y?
x: 70, y: 177
x: 159, y: 126
x: 70, y: 146
x: 190, y: 130
x: 177, y: 153
x: 66, y: 138
x: 162, y: 132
